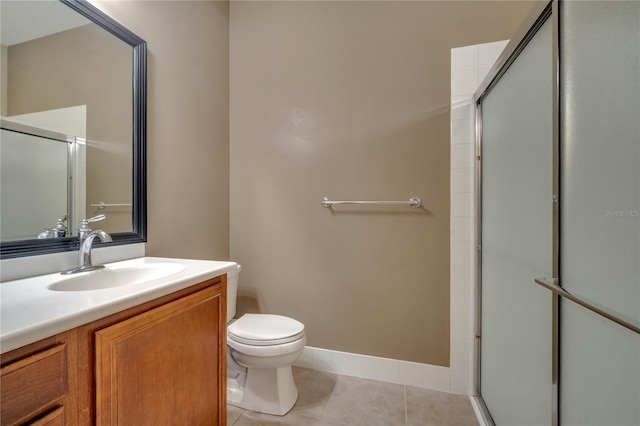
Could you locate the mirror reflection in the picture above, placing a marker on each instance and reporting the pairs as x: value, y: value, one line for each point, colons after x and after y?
x: 67, y: 125
x: 41, y: 176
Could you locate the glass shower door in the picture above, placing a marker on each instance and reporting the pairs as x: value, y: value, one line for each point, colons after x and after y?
x: 516, y: 318
x: 600, y: 210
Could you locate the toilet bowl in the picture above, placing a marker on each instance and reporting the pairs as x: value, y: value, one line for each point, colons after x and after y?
x: 260, y: 351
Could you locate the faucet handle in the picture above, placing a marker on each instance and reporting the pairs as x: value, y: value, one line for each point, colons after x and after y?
x: 84, y: 224
x: 85, y: 229
x: 95, y: 218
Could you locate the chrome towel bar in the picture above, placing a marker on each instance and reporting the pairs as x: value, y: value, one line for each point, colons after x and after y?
x: 413, y: 202
x: 101, y: 205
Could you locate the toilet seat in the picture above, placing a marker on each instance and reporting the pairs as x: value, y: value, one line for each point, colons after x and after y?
x: 265, y: 330
x: 240, y: 350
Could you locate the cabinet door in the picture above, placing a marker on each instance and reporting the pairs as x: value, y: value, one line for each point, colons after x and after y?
x: 166, y: 366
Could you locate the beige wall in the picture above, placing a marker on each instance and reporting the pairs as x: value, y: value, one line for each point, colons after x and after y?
x: 349, y: 100
x: 83, y: 66
x: 188, y: 128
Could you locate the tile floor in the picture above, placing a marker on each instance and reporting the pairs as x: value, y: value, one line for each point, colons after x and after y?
x: 326, y: 399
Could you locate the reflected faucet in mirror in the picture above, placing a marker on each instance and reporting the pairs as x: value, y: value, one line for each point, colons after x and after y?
x: 58, y: 231
x: 85, y: 238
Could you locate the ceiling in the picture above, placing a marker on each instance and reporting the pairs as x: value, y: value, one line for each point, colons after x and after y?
x: 24, y: 20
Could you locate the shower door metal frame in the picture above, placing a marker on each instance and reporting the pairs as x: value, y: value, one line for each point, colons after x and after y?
x: 555, y: 345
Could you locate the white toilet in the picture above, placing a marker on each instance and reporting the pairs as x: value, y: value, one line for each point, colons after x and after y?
x: 260, y: 351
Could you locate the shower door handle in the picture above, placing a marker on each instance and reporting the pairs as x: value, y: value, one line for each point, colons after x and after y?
x: 552, y: 284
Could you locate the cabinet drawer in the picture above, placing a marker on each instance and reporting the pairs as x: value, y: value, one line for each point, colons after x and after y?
x: 30, y: 385
x: 54, y: 418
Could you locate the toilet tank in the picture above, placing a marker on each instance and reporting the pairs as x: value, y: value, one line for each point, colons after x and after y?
x: 232, y: 292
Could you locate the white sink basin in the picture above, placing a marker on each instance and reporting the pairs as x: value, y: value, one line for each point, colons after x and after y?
x: 116, y: 276
x: 41, y: 306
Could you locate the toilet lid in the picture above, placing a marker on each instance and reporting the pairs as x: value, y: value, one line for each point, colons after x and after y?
x: 265, y: 329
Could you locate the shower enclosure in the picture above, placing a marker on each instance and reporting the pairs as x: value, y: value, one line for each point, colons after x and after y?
x: 558, y: 162
x: 42, y: 179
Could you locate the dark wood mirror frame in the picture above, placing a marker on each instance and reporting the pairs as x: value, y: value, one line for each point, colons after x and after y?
x: 12, y: 249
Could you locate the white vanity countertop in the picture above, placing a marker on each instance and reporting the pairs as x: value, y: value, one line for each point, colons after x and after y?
x: 30, y: 311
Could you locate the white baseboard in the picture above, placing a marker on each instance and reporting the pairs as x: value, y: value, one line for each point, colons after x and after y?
x: 425, y: 376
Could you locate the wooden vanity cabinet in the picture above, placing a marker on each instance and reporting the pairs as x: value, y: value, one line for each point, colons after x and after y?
x: 156, y: 368
x: 37, y: 383
x: 159, y: 363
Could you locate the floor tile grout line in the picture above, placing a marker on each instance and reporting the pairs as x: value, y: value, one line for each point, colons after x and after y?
x: 324, y: 409
x: 406, y: 408
x: 237, y: 417
x: 327, y: 404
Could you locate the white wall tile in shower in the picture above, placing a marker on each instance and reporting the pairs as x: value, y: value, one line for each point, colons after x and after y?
x: 464, y: 82
x: 464, y: 58
x: 488, y: 53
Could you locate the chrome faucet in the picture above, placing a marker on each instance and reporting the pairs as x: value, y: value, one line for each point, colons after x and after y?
x: 85, y: 239
x: 58, y: 231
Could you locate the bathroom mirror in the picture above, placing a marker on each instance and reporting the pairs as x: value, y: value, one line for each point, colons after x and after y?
x: 70, y: 70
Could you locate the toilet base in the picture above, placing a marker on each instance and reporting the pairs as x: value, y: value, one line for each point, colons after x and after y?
x: 266, y: 390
